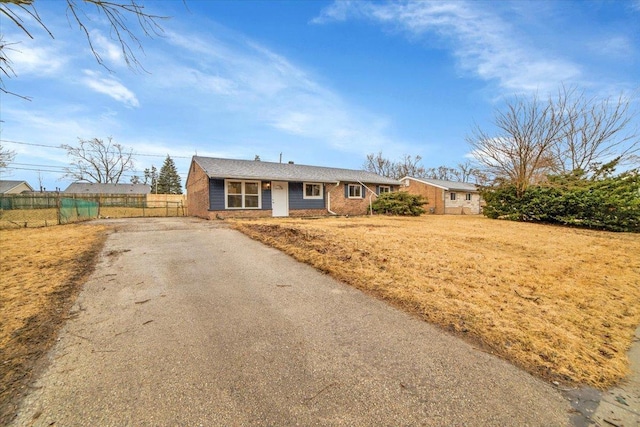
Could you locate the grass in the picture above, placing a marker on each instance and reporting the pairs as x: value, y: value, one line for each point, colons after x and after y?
x: 42, y: 270
x: 32, y: 218
x: 561, y: 303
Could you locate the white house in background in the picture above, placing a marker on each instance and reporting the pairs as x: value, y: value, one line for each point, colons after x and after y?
x: 445, y: 197
x: 14, y: 187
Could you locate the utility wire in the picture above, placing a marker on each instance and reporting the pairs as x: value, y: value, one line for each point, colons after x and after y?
x: 59, y: 147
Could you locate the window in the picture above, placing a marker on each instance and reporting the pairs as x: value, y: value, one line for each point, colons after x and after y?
x: 452, y: 196
x: 467, y: 197
x: 355, y: 191
x: 384, y: 189
x: 312, y: 190
x: 242, y: 194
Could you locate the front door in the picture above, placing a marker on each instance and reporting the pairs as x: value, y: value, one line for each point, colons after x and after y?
x: 280, y: 198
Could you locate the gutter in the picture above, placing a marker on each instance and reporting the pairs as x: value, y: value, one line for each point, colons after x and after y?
x: 329, y: 200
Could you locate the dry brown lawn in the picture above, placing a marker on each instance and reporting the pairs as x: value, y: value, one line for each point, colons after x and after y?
x: 561, y: 303
x: 41, y: 270
x: 33, y: 218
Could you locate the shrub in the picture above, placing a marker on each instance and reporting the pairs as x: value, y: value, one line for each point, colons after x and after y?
x: 606, y: 203
x: 399, y: 203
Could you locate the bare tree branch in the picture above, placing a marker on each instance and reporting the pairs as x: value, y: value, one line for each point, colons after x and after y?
x: 377, y: 164
x: 521, y: 151
x: 596, y: 131
x: 95, y: 160
x: 115, y: 12
x: 6, y: 157
x: 409, y: 166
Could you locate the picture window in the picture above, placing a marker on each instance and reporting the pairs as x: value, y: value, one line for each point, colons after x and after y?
x: 242, y: 194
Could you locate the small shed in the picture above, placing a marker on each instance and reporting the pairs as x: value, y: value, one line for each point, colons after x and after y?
x: 445, y: 197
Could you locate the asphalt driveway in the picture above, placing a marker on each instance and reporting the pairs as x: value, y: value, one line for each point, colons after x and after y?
x: 187, y: 323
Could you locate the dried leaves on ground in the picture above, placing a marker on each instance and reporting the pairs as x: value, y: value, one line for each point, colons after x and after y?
x: 562, y: 303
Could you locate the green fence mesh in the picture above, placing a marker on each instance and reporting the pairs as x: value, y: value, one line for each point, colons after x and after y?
x: 72, y: 210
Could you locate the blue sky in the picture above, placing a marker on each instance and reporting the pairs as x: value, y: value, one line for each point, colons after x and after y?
x: 324, y: 83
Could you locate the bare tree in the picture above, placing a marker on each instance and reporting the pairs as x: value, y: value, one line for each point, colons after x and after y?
x: 409, y: 166
x: 443, y: 172
x: 595, y: 131
x: 376, y: 163
x: 115, y: 12
x: 466, y: 171
x: 521, y: 151
x: 6, y: 157
x: 95, y: 160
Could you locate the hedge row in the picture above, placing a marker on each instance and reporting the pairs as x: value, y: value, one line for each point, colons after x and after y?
x: 611, y: 203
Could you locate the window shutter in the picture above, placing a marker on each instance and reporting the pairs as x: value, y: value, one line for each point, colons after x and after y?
x: 362, y: 191
x: 346, y: 191
x: 378, y: 190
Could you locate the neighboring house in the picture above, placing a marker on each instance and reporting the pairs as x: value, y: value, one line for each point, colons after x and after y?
x: 15, y: 187
x: 445, y: 197
x: 219, y: 188
x: 93, y: 188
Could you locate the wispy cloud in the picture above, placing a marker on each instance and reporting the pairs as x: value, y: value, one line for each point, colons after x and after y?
x: 616, y: 46
x: 30, y: 57
x: 110, y: 87
x: 483, y: 43
x: 108, y: 51
x: 273, y: 91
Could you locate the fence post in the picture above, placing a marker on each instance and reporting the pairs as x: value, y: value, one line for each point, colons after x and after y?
x: 58, y: 208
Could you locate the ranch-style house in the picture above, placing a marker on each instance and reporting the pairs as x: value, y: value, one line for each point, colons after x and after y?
x: 223, y: 188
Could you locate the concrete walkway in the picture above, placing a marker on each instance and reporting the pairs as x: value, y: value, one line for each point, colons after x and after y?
x: 189, y: 323
x: 620, y: 406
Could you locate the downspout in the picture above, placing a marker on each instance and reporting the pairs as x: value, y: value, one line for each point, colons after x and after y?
x: 373, y: 193
x: 329, y: 200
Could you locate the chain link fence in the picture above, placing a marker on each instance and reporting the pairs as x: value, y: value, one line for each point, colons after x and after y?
x: 46, y: 209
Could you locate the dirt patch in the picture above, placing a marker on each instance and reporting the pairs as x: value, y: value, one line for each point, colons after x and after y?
x: 561, y: 303
x: 42, y: 271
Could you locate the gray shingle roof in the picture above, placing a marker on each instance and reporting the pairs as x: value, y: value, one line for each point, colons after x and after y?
x: 447, y: 185
x: 250, y: 169
x: 93, y: 188
x: 9, y: 185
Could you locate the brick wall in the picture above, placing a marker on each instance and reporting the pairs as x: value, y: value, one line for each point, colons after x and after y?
x: 198, y: 201
x: 342, y: 205
x: 262, y: 213
x: 198, y: 192
x: 431, y: 193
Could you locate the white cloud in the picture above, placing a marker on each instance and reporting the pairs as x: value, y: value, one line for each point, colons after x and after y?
x: 108, y: 51
x: 270, y: 90
x: 110, y: 87
x: 483, y: 43
x: 338, y: 11
x: 31, y: 58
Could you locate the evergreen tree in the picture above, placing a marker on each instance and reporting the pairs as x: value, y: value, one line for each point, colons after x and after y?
x: 151, y: 178
x: 168, y: 179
